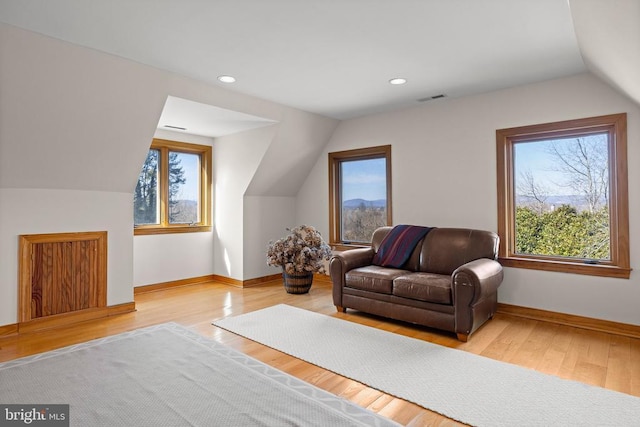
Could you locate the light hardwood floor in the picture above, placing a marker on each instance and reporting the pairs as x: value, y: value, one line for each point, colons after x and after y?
x: 595, y: 358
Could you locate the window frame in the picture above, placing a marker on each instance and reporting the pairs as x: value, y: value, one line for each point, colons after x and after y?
x: 616, y: 127
x: 335, y: 193
x: 164, y: 146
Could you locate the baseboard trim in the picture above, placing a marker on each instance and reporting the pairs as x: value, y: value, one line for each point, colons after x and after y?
x: 261, y: 280
x: 247, y: 283
x: 274, y: 277
x: 624, y: 329
x: 127, y: 307
x: 227, y: 281
x: 66, y: 319
x: 8, y: 330
x: 174, y: 284
x: 208, y: 278
x: 220, y: 279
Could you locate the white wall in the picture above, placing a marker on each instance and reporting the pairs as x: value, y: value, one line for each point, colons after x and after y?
x: 168, y: 257
x: 38, y: 211
x: 444, y: 174
x: 68, y: 115
x: 73, y: 129
x: 265, y: 219
x: 235, y: 160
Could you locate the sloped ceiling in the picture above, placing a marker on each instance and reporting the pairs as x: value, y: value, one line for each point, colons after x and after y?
x: 77, y: 119
x: 332, y: 58
x: 608, y: 34
x: 71, y: 117
x: 323, y: 58
x: 335, y: 58
x: 183, y: 115
x: 292, y: 153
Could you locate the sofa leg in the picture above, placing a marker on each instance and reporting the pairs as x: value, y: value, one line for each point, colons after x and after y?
x: 341, y: 309
x: 463, y: 337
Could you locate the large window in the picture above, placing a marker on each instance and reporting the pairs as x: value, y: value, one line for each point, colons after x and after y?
x: 173, y: 192
x: 562, y: 196
x: 359, y: 194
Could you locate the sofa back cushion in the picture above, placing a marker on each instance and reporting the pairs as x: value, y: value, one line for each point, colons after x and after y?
x: 378, y: 236
x: 445, y: 249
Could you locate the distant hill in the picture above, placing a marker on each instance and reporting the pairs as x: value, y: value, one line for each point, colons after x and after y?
x: 566, y: 200
x: 356, y: 203
x: 576, y: 201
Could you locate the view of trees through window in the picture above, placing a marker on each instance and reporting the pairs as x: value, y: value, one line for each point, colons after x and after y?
x: 364, y: 198
x: 183, y: 189
x: 146, y: 198
x: 359, y: 194
x: 562, y: 197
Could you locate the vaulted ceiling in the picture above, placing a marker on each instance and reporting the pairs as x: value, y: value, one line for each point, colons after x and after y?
x: 336, y: 58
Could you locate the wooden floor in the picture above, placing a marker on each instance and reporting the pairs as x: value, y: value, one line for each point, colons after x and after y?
x: 596, y: 358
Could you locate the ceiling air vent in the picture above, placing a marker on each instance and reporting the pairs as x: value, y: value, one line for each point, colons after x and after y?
x: 430, y: 98
x: 175, y: 127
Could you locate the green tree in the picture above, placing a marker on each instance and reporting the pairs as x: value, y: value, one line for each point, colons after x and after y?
x: 563, y: 232
x: 176, y: 179
x: 145, y: 197
x: 528, y: 229
x: 580, y: 230
x: 596, y: 240
x: 560, y: 233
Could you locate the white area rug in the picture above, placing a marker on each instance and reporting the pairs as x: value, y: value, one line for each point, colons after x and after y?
x: 463, y: 386
x: 167, y: 375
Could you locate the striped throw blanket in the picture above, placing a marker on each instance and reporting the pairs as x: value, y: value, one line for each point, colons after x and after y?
x: 397, y: 246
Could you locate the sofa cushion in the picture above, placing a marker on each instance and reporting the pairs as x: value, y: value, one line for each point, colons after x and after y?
x: 373, y: 278
x: 427, y: 287
x: 445, y: 249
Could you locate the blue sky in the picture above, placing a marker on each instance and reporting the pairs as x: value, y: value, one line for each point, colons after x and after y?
x: 191, y: 167
x: 535, y: 157
x: 364, y: 179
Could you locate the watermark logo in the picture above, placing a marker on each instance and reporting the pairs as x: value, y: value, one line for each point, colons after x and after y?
x: 34, y: 415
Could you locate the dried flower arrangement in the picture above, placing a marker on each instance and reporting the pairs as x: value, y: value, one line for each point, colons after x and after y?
x: 301, y: 251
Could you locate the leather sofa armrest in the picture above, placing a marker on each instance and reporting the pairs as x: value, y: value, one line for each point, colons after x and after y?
x: 341, y: 263
x: 475, y: 280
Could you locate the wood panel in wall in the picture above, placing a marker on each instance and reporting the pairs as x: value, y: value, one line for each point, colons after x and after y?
x: 61, y: 273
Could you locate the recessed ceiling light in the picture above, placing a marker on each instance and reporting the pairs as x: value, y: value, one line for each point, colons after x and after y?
x: 226, y: 79
x: 398, y: 81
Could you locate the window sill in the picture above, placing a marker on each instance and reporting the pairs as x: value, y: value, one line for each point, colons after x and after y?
x: 346, y: 246
x: 603, y: 270
x: 143, y: 231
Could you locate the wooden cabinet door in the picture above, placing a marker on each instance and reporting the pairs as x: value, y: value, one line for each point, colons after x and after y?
x: 61, y: 273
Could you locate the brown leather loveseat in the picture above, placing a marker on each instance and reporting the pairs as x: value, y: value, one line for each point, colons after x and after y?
x: 449, y: 282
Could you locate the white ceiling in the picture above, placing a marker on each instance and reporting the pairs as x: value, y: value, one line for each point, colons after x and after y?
x: 185, y: 116
x: 328, y: 57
